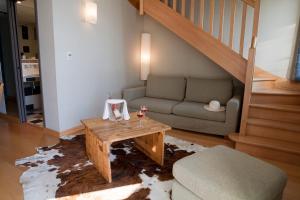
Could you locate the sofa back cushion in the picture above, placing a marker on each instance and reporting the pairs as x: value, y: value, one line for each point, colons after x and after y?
x: 165, y: 87
x: 205, y: 90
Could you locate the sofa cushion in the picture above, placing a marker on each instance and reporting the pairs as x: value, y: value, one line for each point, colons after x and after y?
x: 154, y: 105
x: 164, y: 87
x: 205, y: 90
x: 224, y: 173
x: 196, y: 110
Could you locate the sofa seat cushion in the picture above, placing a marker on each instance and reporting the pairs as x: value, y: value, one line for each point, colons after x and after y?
x: 154, y: 105
x: 205, y: 90
x: 227, y: 174
x: 164, y: 87
x: 196, y: 110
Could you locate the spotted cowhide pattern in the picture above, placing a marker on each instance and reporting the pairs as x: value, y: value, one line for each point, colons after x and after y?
x: 64, y: 171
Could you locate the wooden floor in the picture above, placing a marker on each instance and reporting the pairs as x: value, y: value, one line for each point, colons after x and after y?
x: 17, y: 141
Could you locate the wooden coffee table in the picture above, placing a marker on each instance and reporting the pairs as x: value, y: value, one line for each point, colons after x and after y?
x: 100, y: 134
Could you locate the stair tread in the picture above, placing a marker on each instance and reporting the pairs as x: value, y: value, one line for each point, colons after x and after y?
x: 281, y: 107
x: 285, y: 84
x: 267, y: 142
x: 274, y: 124
x: 273, y: 91
x: 258, y: 79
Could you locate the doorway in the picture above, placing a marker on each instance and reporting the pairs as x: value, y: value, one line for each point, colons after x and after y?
x: 29, y: 53
x: 22, y: 28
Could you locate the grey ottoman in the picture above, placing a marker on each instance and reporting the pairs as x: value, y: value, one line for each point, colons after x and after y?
x: 223, y: 173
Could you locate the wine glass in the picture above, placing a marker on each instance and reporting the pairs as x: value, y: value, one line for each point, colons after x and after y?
x: 144, y: 109
x: 140, y: 115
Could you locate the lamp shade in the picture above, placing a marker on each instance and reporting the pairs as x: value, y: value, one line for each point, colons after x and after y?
x: 145, y: 55
x: 90, y: 11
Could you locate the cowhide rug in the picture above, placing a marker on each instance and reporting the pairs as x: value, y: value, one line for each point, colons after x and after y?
x: 63, y: 171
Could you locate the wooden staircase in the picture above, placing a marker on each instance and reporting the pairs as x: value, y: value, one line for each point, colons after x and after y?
x: 270, y: 123
x: 187, y: 20
x: 272, y: 128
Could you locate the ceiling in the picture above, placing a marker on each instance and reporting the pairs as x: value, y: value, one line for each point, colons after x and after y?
x: 26, y: 12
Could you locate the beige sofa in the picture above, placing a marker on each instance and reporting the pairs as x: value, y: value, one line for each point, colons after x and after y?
x: 179, y: 102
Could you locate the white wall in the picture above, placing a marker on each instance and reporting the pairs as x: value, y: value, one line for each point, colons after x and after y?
x: 105, y: 58
x: 47, y: 59
x: 277, y: 34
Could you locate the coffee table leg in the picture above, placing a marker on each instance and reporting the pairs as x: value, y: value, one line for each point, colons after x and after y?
x: 152, y: 146
x: 98, y: 153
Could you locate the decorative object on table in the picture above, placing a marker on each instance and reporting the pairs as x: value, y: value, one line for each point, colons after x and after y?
x: 144, y: 109
x: 116, y: 110
x: 140, y: 114
x: 214, y: 106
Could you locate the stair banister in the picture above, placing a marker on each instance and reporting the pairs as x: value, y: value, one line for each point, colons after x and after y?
x: 250, y: 70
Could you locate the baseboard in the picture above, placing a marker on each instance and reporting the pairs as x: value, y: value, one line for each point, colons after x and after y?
x: 77, y: 130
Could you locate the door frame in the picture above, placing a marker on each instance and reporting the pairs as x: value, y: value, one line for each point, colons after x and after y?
x: 11, y: 11
x: 39, y: 53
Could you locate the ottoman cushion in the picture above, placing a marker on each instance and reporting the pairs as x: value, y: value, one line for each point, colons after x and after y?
x: 179, y: 192
x: 224, y: 173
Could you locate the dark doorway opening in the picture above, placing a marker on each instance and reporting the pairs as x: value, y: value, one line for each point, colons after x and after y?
x: 19, y: 62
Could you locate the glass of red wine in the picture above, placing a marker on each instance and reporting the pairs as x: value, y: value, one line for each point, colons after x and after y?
x: 144, y: 109
x: 140, y: 115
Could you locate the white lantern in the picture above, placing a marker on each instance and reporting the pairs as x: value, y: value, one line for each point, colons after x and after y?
x: 145, y: 55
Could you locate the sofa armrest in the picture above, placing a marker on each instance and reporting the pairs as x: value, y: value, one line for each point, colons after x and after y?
x: 233, y: 108
x: 134, y: 93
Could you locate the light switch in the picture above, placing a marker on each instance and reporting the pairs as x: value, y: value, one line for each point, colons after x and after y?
x: 69, y: 55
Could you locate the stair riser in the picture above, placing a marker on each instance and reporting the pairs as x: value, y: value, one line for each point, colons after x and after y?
x: 268, y: 153
x: 277, y: 115
x: 275, y: 99
x: 273, y: 133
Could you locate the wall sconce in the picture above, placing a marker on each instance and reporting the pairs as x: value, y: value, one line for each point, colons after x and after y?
x: 90, y: 11
x: 145, y: 55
